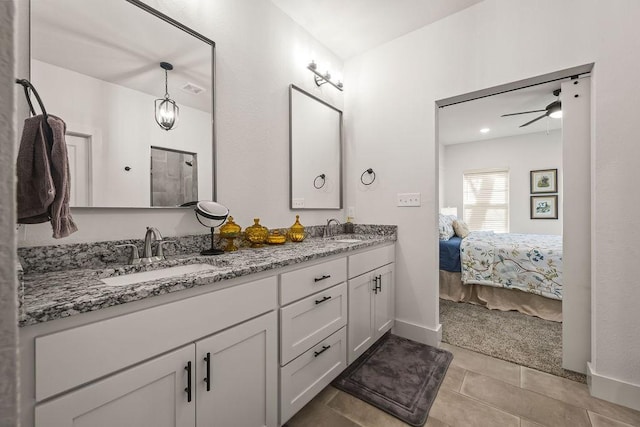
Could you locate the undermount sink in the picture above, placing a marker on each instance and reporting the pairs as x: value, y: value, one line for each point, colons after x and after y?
x: 163, y: 273
x: 347, y: 240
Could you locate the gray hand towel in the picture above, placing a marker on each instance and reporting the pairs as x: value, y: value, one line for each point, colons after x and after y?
x: 43, y: 177
x: 35, y: 184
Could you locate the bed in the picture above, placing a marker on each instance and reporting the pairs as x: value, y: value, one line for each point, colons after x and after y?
x: 520, y: 272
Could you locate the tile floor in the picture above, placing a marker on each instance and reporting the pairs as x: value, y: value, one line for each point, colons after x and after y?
x: 480, y: 390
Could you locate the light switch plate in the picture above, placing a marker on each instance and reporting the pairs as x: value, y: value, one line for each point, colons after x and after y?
x: 297, y: 203
x: 351, y: 212
x: 408, y: 199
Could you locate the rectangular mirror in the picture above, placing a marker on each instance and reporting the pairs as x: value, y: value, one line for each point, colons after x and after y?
x: 315, y: 132
x: 96, y: 65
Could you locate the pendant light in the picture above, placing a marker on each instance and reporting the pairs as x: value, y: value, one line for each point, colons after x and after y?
x: 167, y: 110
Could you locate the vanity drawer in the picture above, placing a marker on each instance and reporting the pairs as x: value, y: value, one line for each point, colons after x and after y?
x: 306, y: 281
x: 370, y: 260
x: 307, y: 375
x: 72, y: 357
x: 304, y: 323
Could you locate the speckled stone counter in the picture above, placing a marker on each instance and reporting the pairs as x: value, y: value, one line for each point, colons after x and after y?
x: 49, y: 295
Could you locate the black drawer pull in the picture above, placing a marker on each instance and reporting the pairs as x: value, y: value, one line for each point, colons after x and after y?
x: 379, y: 283
x: 320, y: 301
x: 317, y: 279
x: 188, y: 388
x: 375, y: 285
x: 207, y: 379
x: 324, y: 348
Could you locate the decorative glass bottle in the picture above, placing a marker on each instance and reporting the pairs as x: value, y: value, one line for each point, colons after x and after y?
x: 230, y: 231
x: 296, y: 232
x: 256, y: 234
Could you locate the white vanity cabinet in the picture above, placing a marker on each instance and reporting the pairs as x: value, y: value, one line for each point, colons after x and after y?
x: 150, y: 394
x: 313, y: 339
x: 226, y: 378
x: 371, y: 298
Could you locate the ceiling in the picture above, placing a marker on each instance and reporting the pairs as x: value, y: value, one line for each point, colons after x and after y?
x: 80, y: 35
x: 460, y: 123
x: 349, y: 28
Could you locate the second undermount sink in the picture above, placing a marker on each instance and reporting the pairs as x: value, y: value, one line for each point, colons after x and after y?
x: 347, y: 240
x: 163, y: 273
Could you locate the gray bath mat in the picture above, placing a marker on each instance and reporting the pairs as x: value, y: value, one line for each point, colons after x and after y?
x: 399, y: 376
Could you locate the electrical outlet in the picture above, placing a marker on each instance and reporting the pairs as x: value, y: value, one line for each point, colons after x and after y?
x: 408, y: 199
x: 297, y: 203
x: 351, y: 212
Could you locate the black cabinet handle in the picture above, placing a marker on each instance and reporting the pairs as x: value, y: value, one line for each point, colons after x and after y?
x: 188, y: 388
x: 375, y: 286
x: 324, y: 348
x: 379, y: 283
x: 207, y: 379
x: 320, y: 301
x: 317, y: 279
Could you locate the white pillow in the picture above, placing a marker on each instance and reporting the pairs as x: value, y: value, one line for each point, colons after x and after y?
x: 461, y: 228
x: 445, y: 226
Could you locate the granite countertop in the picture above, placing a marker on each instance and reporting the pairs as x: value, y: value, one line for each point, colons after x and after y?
x: 46, y: 296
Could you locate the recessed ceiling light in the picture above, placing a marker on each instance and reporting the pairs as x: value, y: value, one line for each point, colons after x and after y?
x: 484, y: 130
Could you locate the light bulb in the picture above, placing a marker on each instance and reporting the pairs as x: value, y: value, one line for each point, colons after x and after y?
x: 556, y: 114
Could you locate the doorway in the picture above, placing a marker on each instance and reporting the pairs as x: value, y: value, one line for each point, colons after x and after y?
x: 571, y: 199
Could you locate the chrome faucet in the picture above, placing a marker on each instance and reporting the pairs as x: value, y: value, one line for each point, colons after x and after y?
x: 147, y: 255
x: 327, y: 229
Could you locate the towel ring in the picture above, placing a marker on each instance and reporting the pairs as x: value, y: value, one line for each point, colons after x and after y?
x: 370, y: 172
x: 315, y: 181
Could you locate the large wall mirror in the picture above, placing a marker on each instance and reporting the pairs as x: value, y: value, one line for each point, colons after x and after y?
x: 96, y: 65
x: 315, y: 129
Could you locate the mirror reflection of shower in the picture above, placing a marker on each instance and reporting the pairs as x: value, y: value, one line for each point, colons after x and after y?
x: 174, y: 177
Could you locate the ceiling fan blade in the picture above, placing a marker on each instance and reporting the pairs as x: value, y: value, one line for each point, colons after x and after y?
x: 524, y: 112
x: 534, y: 120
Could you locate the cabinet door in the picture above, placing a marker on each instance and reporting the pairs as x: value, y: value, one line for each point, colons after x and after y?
x: 361, y: 326
x: 150, y: 394
x: 242, y: 375
x: 384, y: 301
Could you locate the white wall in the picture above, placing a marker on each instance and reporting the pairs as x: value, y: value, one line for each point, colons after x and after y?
x: 392, y: 90
x: 519, y: 154
x: 259, y: 52
x: 123, y: 129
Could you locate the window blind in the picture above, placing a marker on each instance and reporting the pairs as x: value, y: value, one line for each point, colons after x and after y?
x: 486, y: 200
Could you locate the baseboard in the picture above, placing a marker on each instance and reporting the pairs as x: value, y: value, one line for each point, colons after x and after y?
x: 418, y: 333
x: 613, y: 390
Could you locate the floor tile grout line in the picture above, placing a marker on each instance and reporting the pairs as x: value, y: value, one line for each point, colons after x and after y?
x: 482, y: 402
x: 520, y: 416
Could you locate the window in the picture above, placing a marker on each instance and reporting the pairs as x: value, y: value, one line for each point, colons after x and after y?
x: 486, y: 200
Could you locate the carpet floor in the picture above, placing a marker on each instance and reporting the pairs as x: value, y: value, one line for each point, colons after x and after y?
x: 507, y: 335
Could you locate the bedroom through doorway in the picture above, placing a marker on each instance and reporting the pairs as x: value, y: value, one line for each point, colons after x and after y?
x: 502, y: 200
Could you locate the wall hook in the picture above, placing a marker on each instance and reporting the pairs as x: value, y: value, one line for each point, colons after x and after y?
x: 371, y: 173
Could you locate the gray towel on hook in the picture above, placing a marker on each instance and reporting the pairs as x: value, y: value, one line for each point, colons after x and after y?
x: 35, y: 184
x: 43, y: 177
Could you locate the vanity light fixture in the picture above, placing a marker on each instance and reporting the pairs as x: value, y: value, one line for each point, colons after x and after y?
x: 321, y: 79
x: 167, y: 110
x: 485, y: 130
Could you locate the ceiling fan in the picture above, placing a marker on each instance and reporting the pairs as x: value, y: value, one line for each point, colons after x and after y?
x: 553, y: 110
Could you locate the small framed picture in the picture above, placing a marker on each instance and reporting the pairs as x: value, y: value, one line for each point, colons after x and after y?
x: 544, y: 181
x: 544, y: 207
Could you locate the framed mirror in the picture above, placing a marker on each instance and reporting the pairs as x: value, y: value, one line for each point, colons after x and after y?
x: 97, y: 66
x: 315, y: 133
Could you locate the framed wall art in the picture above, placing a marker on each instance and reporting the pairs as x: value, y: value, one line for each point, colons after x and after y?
x: 544, y: 207
x: 544, y: 181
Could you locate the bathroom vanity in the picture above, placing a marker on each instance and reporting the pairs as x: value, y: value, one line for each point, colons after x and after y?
x: 246, y: 343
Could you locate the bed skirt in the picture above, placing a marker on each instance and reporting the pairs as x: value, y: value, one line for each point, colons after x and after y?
x: 452, y: 289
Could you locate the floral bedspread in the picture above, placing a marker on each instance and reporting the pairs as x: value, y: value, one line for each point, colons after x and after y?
x: 528, y: 262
